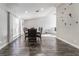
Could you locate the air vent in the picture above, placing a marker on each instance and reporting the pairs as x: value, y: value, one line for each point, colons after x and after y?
x: 37, y: 10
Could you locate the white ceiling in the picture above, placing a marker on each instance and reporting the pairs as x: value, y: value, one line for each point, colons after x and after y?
x: 20, y: 8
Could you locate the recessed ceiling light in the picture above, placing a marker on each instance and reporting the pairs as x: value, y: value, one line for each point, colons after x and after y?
x: 42, y: 9
x: 26, y: 11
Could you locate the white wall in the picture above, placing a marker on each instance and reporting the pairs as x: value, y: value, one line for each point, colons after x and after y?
x: 14, y: 27
x: 68, y: 33
x: 47, y: 22
x: 3, y: 27
x: 21, y: 26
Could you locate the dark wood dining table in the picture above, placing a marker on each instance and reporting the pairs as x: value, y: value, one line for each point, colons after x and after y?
x: 38, y: 34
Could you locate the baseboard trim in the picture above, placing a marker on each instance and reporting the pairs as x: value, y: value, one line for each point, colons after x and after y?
x: 16, y: 36
x: 68, y: 42
x: 10, y: 42
x: 3, y: 46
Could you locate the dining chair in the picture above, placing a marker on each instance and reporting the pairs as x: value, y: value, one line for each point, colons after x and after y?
x: 32, y: 34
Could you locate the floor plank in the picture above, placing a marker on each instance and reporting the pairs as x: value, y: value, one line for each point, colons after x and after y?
x: 48, y: 46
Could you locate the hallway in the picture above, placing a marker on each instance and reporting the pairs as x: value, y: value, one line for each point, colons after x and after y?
x: 49, y: 46
x: 46, y: 19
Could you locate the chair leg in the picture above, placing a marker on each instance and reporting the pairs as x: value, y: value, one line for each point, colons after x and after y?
x: 25, y: 37
x: 39, y: 37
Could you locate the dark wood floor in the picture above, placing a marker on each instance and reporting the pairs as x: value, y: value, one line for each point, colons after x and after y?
x: 48, y: 46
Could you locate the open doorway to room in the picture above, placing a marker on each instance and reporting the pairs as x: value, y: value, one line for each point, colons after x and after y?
x: 46, y: 19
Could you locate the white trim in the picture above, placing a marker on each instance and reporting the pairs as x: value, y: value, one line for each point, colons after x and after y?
x: 76, y: 46
x: 16, y: 36
x: 9, y: 42
x: 3, y: 46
